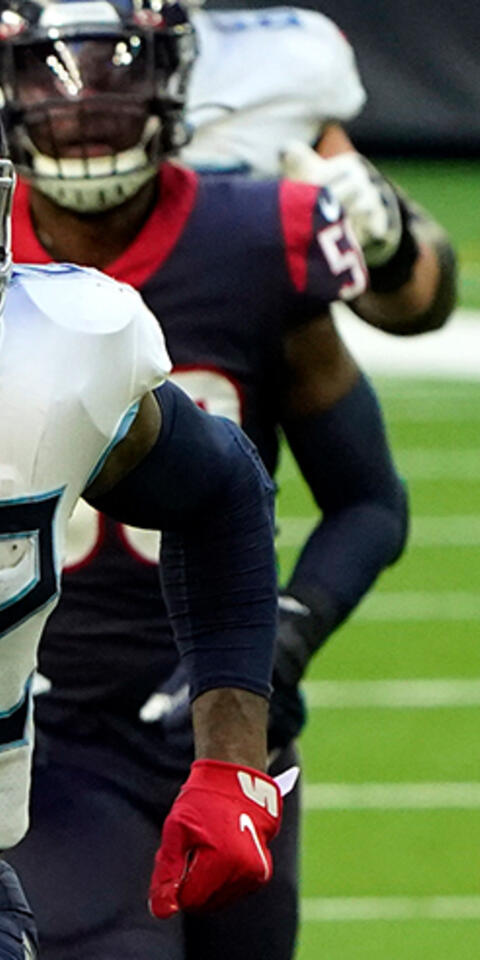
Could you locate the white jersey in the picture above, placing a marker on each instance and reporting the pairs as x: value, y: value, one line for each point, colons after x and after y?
x: 77, y: 352
x: 262, y: 78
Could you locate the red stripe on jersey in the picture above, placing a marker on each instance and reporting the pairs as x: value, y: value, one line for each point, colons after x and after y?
x: 152, y: 245
x: 26, y: 248
x: 163, y: 229
x: 297, y: 202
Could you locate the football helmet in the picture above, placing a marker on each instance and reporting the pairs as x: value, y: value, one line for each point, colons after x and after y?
x: 92, y: 93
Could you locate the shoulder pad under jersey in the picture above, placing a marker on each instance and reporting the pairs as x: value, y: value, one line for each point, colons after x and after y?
x: 81, y: 298
x: 108, y: 331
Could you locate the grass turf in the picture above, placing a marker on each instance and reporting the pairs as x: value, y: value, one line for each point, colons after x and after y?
x: 414, y: 853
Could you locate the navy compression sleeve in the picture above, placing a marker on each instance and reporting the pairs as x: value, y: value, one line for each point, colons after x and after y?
x: 344, y: 455
x: 203, y: 484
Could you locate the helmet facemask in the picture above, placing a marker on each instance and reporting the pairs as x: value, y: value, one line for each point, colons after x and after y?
x: 90, y: 113
x: 7, y: 187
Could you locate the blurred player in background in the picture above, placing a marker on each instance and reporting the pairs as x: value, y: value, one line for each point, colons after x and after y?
x: 262, y: 78
x: 270, y: 94
x: 72, y: 426
x: 242, y: 273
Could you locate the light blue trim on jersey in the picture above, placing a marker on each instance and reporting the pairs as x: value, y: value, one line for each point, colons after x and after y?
x: 206, y: 169
x: 33, y: 497
x: 276, y: 18
x: 35, y: 579
x: 36, y: 498
x: 19, y: 623
x: 8, y: 713
x: 124, y: 427
x: 30, y: 270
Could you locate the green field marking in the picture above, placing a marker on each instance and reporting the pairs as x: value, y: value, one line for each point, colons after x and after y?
x: 403, y: 389
x: 452, y: 446
x: 453, y: 530
x: 425, y: 693
x: 448, y: 580
x: 371, y: 745
x: 438, y: 457
x: 444, y: 496
x: 391, y: 853
x: 403, y: 908
x: 395, y: 795
x: 449, y: 190
x: 377, y: 651
x: 384, y: 940
x: 426, y: 584
x: 408, y: 855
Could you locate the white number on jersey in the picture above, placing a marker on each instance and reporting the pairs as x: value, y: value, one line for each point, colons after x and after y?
x: 339, y: 260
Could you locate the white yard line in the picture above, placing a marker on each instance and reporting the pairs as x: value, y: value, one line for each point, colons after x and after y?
x: 335, y: 909
x: 392, y: 694
x: 391, y: 796
x: 418, y: 606
x: 382, y: 606
x: 439, y: 463
x: 407, y: 391
x: 433, y: 409
x: 453, y: 351
x: 456, y: 530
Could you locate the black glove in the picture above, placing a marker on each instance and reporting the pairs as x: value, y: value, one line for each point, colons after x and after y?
x: 300, y: 633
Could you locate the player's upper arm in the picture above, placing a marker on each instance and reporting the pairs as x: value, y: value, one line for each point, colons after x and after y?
x: 334, y: 140
x: 320, y: 370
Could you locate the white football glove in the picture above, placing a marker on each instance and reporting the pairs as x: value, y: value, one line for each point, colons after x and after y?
x: 367, y: 198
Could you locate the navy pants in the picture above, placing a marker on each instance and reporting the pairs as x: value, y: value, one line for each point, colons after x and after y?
x: 85, y: 866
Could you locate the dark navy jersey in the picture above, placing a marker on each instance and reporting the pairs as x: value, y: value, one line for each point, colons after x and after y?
x: 227, y: 265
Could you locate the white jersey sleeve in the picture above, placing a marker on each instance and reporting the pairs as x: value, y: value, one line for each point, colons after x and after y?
x: 77, y: 353
x: 116, y: 338
x: 262, y: 78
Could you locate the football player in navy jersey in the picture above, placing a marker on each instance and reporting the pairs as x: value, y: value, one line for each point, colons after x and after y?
x: 241, y: 274
x: 71, y: 427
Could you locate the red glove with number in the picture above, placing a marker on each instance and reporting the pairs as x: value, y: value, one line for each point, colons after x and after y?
x: 214, y: 840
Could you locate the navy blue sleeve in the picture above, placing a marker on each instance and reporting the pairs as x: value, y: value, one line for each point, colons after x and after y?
x: 345, y: 458
x: 205, y: 487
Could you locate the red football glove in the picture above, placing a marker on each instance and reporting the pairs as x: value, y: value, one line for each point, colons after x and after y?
x: 214, y: 840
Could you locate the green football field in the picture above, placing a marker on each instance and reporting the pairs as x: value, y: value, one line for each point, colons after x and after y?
x: 391, y: 850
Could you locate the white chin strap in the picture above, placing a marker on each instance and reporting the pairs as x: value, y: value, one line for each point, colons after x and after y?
x: 91, y: 184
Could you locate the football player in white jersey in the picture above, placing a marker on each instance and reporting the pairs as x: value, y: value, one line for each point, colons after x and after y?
x: 287, y: 119
x: 79, y: 355
x: 242, y: 117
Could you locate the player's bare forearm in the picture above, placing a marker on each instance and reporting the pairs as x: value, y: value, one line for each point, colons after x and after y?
x: 334, y: 140
x: 424, y: 300
x: 427, y: 299
x: 230, y: 725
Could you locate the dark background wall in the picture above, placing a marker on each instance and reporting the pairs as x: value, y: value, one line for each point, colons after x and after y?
x: 420, y: 63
